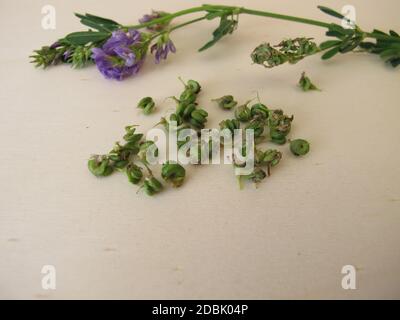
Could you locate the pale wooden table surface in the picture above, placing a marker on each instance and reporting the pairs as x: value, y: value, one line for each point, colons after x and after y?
x: 289, y: 239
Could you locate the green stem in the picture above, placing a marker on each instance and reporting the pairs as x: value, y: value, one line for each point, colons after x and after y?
x: 177, y: 27
x: 241, y: 10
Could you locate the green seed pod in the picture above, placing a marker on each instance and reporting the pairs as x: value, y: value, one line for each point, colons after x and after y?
x: 175, y: 117
x: 199, y: 115
x: 152, y: 186
x: 258, y: 127
x: 230, y: 124
x: 226, y: 102
x: 188, y: 97
x: 299, y: 147
x: 194, y: 86
x: 134, y: 173
x: 277, y: 137
x: 259, y: 110
x: 131, y: 136
x: 121, y: 164
x: 257, y: 175
x: 144, y: 147
x: 147, y: 105
x: 100, y: 166
x: 173, y: 173
x: 188, y: 111
x: 269, y: 157
x: 305, y: 83
x: 243, y: 113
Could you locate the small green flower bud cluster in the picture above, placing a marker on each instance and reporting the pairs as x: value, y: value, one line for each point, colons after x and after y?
x: 147, y: 104
x: 131, y: 158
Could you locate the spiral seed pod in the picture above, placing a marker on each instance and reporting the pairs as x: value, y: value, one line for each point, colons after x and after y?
x: 144, y: 148
x: 258, y: 127
x: 230, y: 124
x: 100, y: 166
x: 243, y: 113
x: 188, y: 97
x: 152, y: 186
x: 198, y: 118
x: 257, y: 175
x: 147, y: 105
x: 131, y: 136
x: 194, y: 86
x: 299, y: 147
x: 226, y: 102
x: 269, y: 157
x: 173, y: 173
x: 188, y: 111
x: 259, y: 110
x: 134, y: 173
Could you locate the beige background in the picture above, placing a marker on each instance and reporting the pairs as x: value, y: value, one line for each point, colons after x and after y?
x: 289, y: 239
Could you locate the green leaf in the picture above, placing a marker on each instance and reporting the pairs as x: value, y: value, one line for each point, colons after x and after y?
x: 330, y: 54
x: 98, y: 23
x: 331, y: 12
x: 329, y: 44
x: 97, y: 19
x: 226, y: 26
x: 85, y: 37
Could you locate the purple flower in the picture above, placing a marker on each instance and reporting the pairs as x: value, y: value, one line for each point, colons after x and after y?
x: 121, y: 56
x: 162, y: 49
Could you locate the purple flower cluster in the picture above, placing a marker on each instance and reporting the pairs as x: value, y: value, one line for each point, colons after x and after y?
x: 162, y: 49
x: 121, y: 56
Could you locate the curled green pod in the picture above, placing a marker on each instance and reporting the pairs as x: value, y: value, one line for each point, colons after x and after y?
x: 173, y: 173
x: 194, y: 86
x: 243, y: 113
x: 144, y: 148
x: 131, y: 136
x: 134, y: 173
x: 258, y: 127
x: 299, y: 147
x: 230, y: 124
x: 198, y: 118
x: 257, y: 175
x: 188, y: 96
x: 152, y: 186
x: 269, y: 157
x: 278, y: 137
x: 226, y: 102
x: 259, y: 110
x: 100, y: 166
x: 305, y: 83
x: 188, y: 111
x: 147, y: 105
